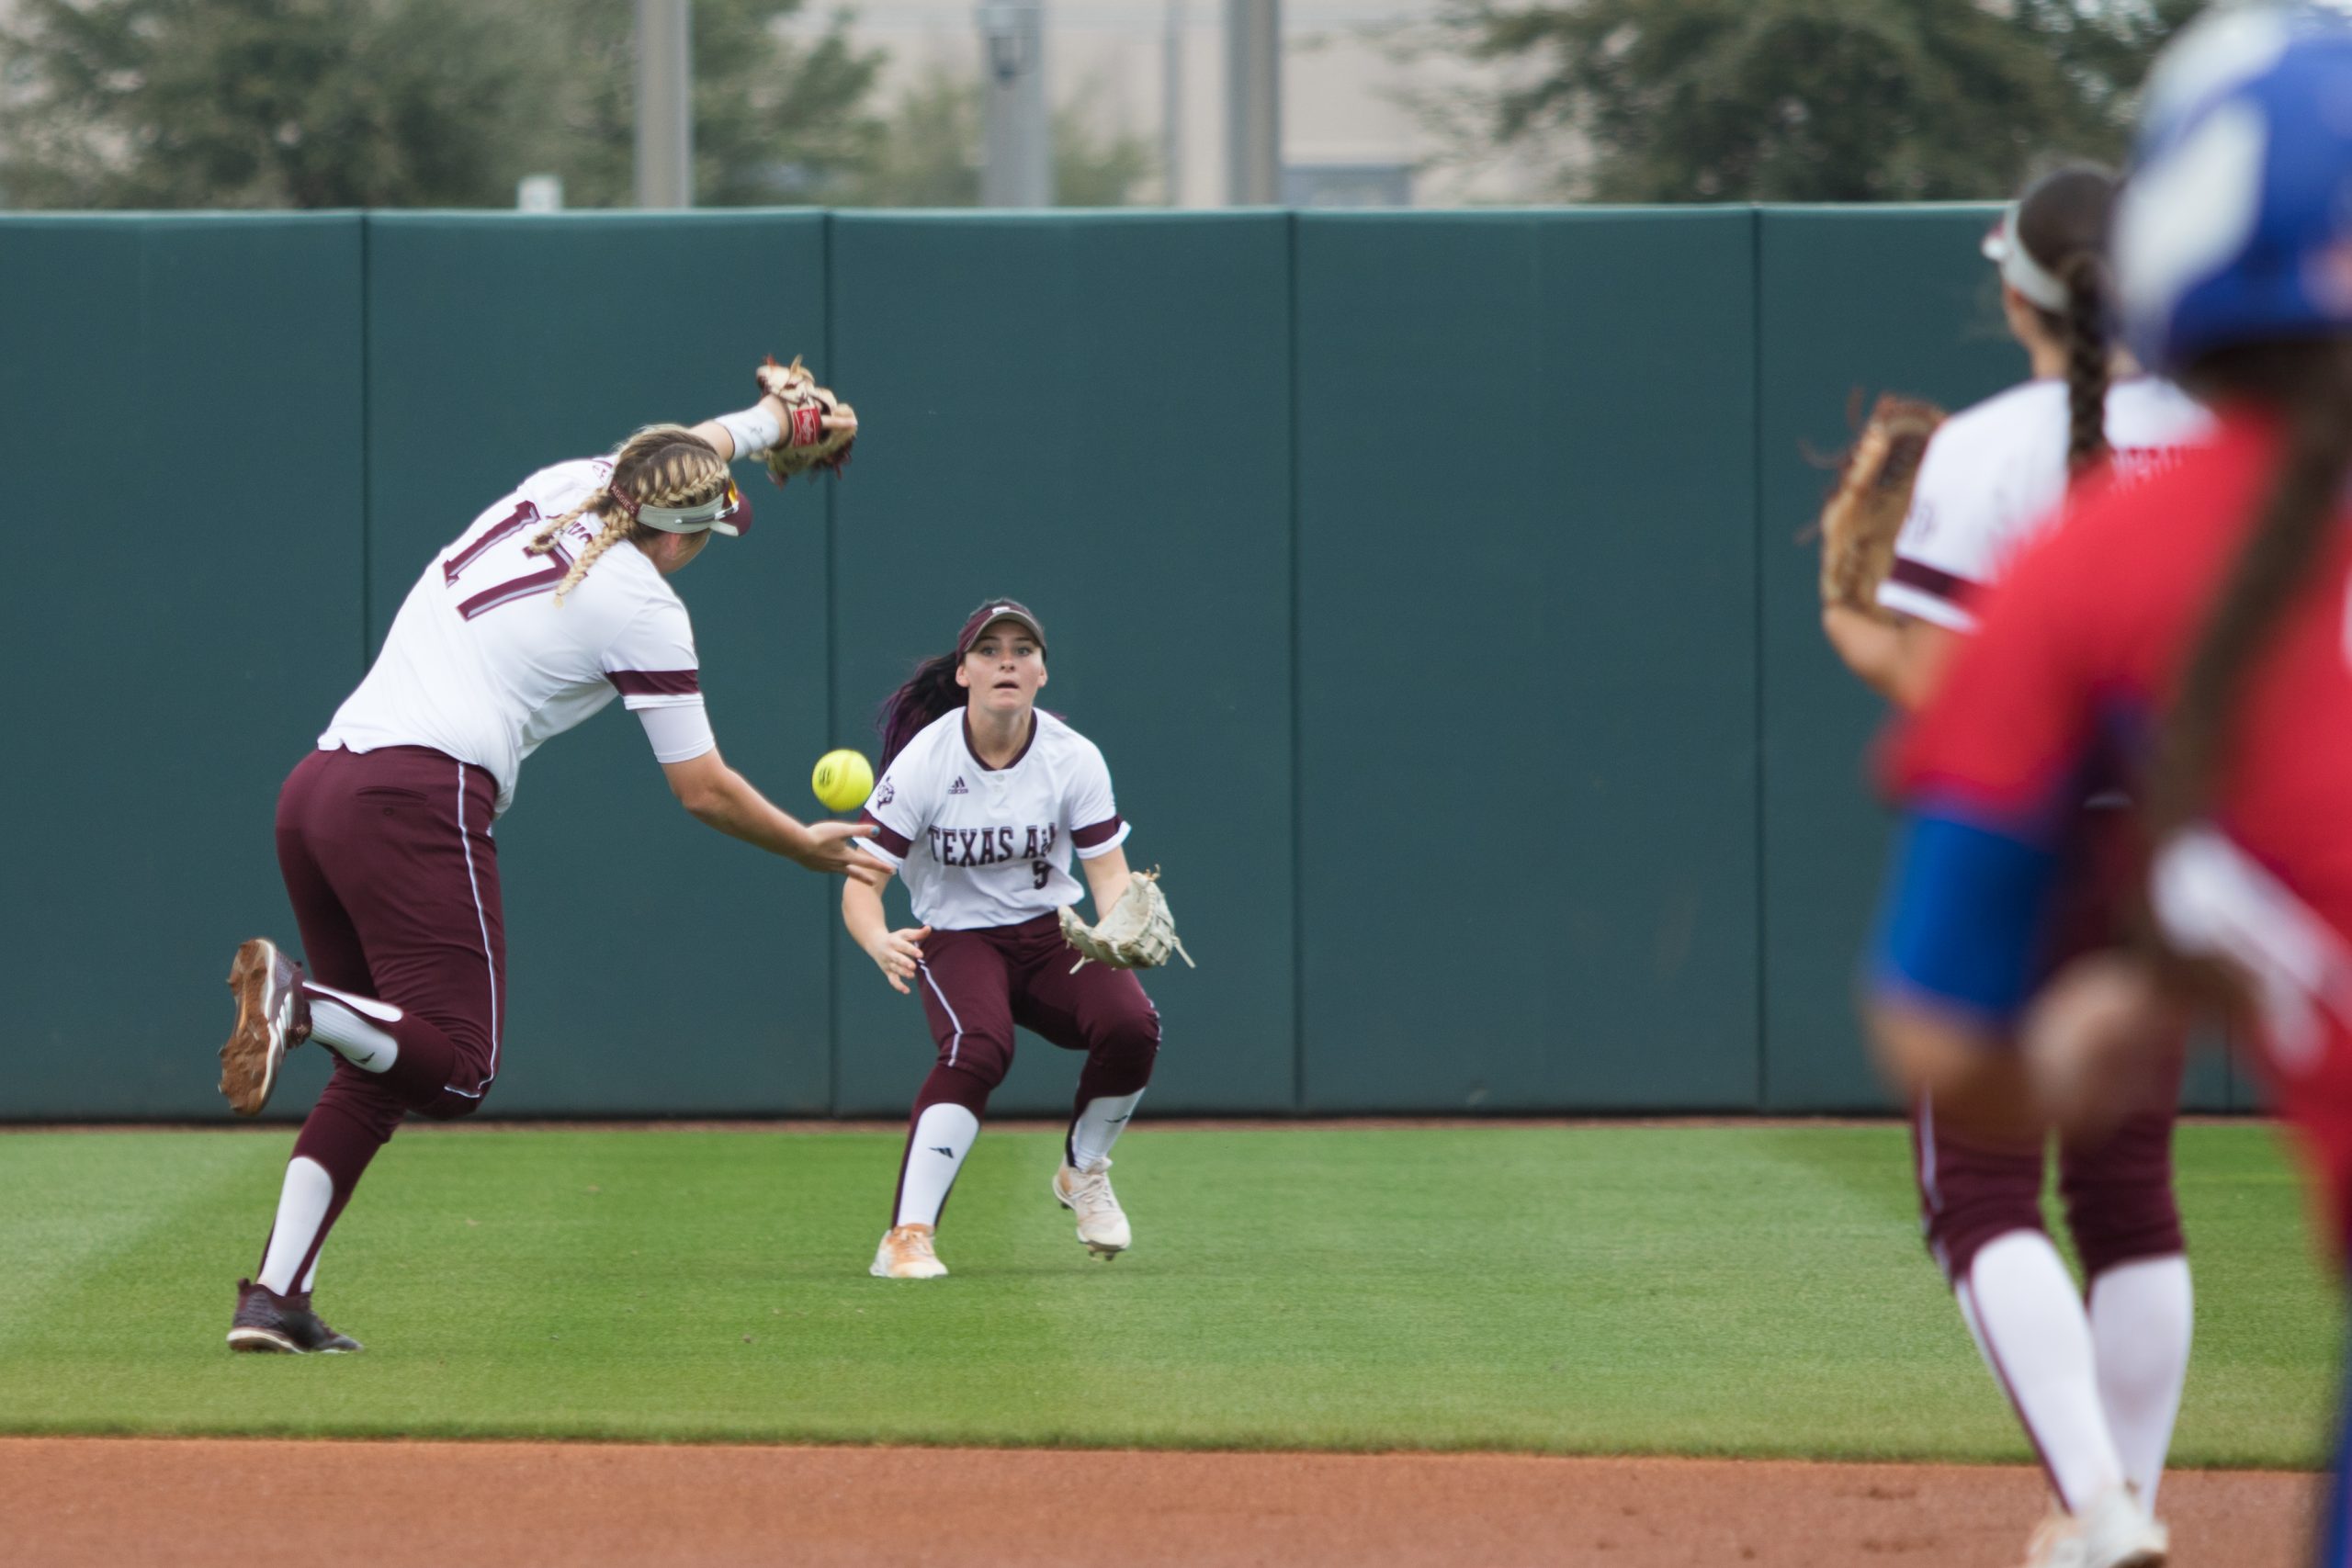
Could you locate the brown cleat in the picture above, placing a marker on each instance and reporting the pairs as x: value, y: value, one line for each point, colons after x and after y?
x: 272, y: 1019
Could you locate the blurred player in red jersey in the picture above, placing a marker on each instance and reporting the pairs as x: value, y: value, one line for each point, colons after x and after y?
x: 2191, y: 624
x: 2095, y: 1376
x: 982, y: 801
x: 551, y: 603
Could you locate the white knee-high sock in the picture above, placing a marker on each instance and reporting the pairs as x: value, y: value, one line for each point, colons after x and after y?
x: 2021, y: 1304
x: 301, y: 1209
x: 1098, y: 1126
x: 348, y: 1025
x: 2141, y: 1315
x: 943, y: 1134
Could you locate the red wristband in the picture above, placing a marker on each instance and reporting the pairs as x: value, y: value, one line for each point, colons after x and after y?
x: 808, y: 426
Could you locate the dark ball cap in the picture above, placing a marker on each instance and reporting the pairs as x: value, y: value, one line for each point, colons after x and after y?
x: 997, y: 610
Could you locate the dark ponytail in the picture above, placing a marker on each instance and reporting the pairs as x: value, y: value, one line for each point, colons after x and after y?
x: 2310, y: 384
x: 2062, y: 223
x: 2089, y: 352
x: 930, y: 692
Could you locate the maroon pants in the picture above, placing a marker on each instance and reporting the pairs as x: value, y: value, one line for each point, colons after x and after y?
x: 978, y: 985
x: 388, y: 860
x: 2117, y: 1189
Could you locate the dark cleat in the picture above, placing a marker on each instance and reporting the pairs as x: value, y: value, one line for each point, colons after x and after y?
x: 272, y: 1019
x: 285, y: 1325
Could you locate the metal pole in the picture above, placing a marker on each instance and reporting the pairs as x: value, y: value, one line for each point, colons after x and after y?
x: 666, y: 126
x: 1171, y: 105
x: 1253, y: 102
x: 1019, y: 141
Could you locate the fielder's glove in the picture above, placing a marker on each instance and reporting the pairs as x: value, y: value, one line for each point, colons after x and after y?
x: 807, y: 443
x: 1866, y: 511
x: 1138, y: 933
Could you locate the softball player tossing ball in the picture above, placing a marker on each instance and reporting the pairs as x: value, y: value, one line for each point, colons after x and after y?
x: 2096, y: 1386
x: 982, y: 802
x: 551, y: 603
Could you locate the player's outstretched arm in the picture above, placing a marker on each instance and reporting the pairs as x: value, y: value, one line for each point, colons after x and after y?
x: 739, y: 434
x: 770, y: 423
x: 896, y: 954
x: 716, y: 794
x: 1106, y: 878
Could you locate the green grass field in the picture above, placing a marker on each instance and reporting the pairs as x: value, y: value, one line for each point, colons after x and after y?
x: 1704, y: 1290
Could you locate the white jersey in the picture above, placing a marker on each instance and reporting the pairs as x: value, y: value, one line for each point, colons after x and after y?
x: 1995, y: 473
x: 485, y: 665
x: 981, y: 846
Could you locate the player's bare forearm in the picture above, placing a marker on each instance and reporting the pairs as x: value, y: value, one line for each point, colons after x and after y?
x: 1900, y: 660
x: 718, y: 797
x: 863, y: 915
x: 1871, y: 648
x: 897, y: 953
x: 1106, y: 878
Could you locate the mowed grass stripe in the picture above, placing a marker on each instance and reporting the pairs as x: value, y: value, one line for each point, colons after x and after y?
x: 1719, y: 1291
x: 77, y: 1205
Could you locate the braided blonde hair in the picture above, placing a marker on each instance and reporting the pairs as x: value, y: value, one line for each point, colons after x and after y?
x: 661, y: 465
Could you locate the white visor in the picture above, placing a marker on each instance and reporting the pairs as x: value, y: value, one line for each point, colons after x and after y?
x: 2018, y: 269
x: 727, y: 513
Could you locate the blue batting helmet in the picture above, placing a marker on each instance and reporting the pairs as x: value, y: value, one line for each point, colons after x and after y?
x: 2235, y: 225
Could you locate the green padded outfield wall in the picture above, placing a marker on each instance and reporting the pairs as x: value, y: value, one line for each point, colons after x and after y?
x: 1418, y: 573
x: 1526, y: 580
x: 180, y: 416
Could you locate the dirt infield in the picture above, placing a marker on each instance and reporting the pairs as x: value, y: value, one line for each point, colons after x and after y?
x: 109, y: 1501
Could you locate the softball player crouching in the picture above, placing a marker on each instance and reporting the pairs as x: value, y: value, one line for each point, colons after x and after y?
x: 551, y: 603
x: 981, y: 803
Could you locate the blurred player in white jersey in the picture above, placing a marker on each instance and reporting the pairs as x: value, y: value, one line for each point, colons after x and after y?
x: 551, y: 603
x: 982, y: 801
x: 2096, y: 1386
x: 1996, y: 473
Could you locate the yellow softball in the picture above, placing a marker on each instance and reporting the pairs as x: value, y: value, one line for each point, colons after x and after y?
x: 843, y: 780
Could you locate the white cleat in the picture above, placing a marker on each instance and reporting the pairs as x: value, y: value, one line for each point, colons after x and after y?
x: 2114, y: 1532
x: 1102, y: 1223
x: 906, y: 1254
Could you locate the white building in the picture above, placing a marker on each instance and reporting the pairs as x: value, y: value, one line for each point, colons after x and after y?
x: 1356, y: 125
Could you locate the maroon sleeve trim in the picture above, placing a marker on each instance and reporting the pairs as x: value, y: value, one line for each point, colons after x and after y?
x: 1928, y: 580
x: 656, y: 682
x: 1101, y: 833
x: 896, y: 844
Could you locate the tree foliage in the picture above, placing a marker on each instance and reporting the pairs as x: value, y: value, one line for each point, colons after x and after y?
x: 1811, y: 100
x: 774, y: 123
x: 928, y: 154
x: 402, y: 103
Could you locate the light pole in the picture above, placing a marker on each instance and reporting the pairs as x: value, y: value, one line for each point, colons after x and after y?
x: 1253, y: 102
x: 1171, y: 104
x: 1019, y: 144
x: 665, y: 94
